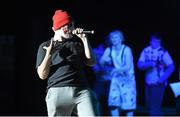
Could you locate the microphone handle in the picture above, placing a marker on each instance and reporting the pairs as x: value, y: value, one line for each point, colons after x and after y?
x: 85, y: 32
x: 88, y: 32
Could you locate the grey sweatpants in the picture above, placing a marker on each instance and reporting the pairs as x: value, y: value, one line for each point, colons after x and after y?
x: 63, y: 101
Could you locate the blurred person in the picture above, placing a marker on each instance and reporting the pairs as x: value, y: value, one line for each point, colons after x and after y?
x: 122, y: 92
x: 102, y: 82
x: 60, y: 60
x: 158, y: 66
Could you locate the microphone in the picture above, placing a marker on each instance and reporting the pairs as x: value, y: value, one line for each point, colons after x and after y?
x: 84, y: 32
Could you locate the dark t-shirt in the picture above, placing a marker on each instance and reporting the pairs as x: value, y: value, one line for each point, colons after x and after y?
x: 67, y: 63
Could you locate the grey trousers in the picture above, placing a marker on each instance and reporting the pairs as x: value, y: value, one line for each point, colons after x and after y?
x: 65, y: 101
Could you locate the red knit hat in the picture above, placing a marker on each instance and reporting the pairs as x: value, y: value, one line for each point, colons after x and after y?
x: 60, y: 18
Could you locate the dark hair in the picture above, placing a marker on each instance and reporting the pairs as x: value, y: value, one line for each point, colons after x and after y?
x: 156, y: 36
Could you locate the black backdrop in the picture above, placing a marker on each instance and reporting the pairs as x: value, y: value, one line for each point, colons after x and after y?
x: 29, y: 23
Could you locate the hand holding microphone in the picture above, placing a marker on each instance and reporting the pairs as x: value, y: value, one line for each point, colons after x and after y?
x: 81, y: 31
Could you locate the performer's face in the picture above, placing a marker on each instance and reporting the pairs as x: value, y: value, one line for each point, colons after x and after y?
x: 155, y: 43
x: 65, y: 31
x: 116, y: 38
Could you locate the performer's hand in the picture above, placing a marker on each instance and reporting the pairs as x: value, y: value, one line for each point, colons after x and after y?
x: 161, y: 80
x: 49, y: 48
x: 78, y: 32
x: 115, y: 71
x: 153, y: 63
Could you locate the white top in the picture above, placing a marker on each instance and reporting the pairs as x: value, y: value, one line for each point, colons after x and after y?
x: 119, y: 62
x: 119, y: 58
x: 159, y: 55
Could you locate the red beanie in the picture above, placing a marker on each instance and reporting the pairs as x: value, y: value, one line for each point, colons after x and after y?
x: 60, y: 18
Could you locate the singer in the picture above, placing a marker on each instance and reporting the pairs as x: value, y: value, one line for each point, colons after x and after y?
x: 60, y: 60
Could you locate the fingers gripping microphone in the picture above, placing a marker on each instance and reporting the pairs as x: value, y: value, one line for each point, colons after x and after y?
x: 84, y: 32
x: 88, y: 32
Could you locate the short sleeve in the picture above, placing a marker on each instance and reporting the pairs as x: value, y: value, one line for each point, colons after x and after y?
x: 142, y: 56
x: 40, y: 55
x: 167, y: 58
x: 128, y: 51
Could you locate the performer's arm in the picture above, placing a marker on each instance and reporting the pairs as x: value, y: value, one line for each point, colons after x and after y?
x: 142, y: 64
x: 145, y: 65
x: 128, y: 62
x: 44, y: 68
x: 169, y: 69
x: 105, y: 57
x: 167, y: 73
x: 89, y: 56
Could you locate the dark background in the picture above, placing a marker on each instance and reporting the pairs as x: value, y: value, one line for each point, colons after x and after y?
x: 25, y: 24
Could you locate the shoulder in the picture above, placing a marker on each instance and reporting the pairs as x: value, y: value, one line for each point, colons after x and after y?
x: 107, y: 51
x: 45, y: 43
x: 147, y: 49
x: 40, y: 48
x: 161, y: 49
x: 127, y: 48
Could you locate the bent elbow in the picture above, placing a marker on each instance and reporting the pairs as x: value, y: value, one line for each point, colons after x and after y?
x: 41, y: 75
x: 90, y: 62
x: 172, y: 67
x: 140, y: 66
